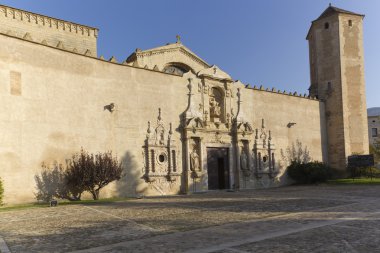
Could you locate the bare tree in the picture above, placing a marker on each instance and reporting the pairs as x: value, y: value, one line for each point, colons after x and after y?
x: 93, y: 172
x: 296, y: 153
x: 52, y: 183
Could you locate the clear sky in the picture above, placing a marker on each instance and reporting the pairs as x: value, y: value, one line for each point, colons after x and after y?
x: 259, y: 42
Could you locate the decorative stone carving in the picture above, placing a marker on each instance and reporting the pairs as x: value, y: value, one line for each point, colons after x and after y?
x: 263, y: 153
x: 192, y: 110
x: 214, y: 72
x: 243, y: 160
x: 195, y: 160
x: 160, y: 153
x: 216, y: 104
x: 214, y: 108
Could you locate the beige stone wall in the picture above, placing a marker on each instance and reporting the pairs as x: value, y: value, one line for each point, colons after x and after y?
x: 280, y: 109
x: 53, y: 104
x: 355, y: 106
x: 337, y: 77
x: 374, y: 122
x: 40, y: 28
x: 61, y: 109
x: 326, y: 83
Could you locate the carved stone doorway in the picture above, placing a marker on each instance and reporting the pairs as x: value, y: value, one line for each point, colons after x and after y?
x: 218, y: 168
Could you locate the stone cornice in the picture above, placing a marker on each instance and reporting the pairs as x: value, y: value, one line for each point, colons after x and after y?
x: 38, y: 19
x: 87, y: 56
x: 285, y: 93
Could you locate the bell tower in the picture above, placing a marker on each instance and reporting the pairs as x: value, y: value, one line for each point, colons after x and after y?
x: 337, y: 78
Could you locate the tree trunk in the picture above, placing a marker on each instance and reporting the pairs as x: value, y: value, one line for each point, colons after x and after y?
x: 95, y: 194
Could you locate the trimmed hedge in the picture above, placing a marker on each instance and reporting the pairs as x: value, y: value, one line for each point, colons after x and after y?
x: 309, y: 173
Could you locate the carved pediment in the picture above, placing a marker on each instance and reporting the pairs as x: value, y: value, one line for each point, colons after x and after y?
x: 214, y: 72
x: 167, y: 58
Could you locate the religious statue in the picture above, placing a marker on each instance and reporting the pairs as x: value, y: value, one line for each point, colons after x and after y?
x: 214, y: 108
x: 243, y: 160
x: 265, y: 164
x: 194, y: 160
x: 160, y: 136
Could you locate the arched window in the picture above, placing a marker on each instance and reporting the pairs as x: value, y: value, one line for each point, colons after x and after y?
x: 176, y: 68
x: 327, y: 25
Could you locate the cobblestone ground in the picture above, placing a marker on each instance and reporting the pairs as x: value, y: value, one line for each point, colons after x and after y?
x: 289, y: 219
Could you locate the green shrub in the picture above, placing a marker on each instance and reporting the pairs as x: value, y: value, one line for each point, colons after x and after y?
x: 365, y: 172
x: 1, y: 192
x: 309, y: 173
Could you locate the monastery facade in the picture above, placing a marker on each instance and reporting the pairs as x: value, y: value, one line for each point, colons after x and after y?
x: 178, y: 123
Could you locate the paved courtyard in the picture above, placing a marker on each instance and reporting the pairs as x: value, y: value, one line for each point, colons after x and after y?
x: 289, y: 219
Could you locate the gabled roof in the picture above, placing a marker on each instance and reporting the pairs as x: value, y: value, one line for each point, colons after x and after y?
x: 331, y: 10
x: 178, y: 46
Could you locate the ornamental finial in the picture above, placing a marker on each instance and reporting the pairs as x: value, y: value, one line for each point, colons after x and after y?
x: 178, y: 39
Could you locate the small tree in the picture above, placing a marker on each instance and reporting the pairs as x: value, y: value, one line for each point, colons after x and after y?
x: 93, y: 172
x: 52, y: 183
x: 296, y: 153
x: 1, y: 192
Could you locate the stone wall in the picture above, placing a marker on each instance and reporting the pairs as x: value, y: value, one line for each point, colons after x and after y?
x: 54, y: 32
x: 53, y: 104
x: 374, y: 122
x: 337, y: 78
x: 355, y: 106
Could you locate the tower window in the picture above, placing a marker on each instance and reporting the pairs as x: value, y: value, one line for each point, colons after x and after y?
x: 329, y: 88
x: 327, y: 25
x: 350, y: 22
x: 374, y: 132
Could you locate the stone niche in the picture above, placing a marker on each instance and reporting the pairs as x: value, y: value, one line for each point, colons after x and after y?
x: 161, y: 170
x: 264, y: 161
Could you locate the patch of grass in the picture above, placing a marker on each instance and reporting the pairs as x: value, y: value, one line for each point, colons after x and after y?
x: 357, y: 181
x: 61, y: 203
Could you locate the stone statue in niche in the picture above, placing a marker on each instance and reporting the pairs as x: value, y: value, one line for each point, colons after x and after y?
x: 214, y: 108
x: 265, y: 164
x: 160, y: 133
x: 194, y: 160
x: 243, y: 160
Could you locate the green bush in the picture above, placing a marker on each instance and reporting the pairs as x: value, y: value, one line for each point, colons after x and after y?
x: 365, y: 172
x: 309, y: 173
x: 1, y: 192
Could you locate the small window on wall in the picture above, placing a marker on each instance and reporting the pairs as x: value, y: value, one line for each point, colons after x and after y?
x: 327, y: 25
x: 350, y: 22
x: 374, y: 132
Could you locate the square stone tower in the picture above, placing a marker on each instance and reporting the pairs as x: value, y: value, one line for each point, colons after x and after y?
x: 337, y: 78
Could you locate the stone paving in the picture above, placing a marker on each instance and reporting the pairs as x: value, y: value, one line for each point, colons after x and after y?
x: 288, y: 219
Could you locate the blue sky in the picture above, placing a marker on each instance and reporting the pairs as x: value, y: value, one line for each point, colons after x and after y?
x: 259, y: 42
